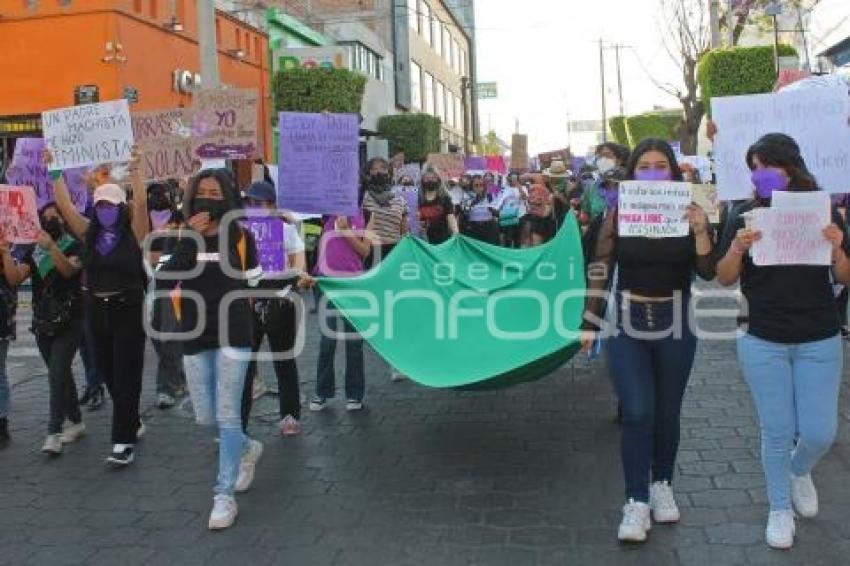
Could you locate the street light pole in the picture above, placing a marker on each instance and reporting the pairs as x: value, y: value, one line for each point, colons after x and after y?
x: 714, y: 15
x: 620, y: 80
x: 207, y: 45
x: 602, y: 81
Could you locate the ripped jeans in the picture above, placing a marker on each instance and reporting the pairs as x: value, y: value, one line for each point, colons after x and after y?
x: 215, y: 381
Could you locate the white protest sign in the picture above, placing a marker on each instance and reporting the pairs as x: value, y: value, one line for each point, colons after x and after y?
x: 791, y: 237
x: 816, y: 118
x: 89, y: 134
x: 654, y: 209
x: 701, y: 164
x: 213, y: 164
x: 796, y: 200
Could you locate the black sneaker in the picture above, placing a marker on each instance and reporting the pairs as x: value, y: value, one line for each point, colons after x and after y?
x: 4, y: 432
x: 96, y: 399
x: 122, y: 455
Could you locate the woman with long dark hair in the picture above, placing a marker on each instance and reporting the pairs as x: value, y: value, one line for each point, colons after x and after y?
x: 789, y: 343
x: 479, y: 214
x: 385, y: 212
x: 215, y: 264
x: 436, y: 212
x: 651, y: 354
x: 114, y: 280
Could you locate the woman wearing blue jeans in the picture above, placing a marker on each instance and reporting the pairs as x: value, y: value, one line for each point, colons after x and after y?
x: 652, y: 350
x: 789, y: 344
x: 213, y: 267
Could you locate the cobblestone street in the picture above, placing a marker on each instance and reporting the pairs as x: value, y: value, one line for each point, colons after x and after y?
x: 523, y: 476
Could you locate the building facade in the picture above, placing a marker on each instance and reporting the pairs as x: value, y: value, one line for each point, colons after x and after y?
x: 66, y: 53
x: 830, y: 36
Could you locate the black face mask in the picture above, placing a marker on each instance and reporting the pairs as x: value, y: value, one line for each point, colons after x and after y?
x: 54, y: 227
x: 379, y: 181
x: 430, y: 185
x: 216, y: 208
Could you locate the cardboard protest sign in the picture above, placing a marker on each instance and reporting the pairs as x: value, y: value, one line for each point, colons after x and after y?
x: 164, y: 139
x: 654, y: 209
x: 705, y: 196
x: 412, y: 170
x: 90, y: 134
x: 269, y: 237
x: 18, y: 215
x: 701, y: 164
x: 815, y: 117
x: 28, y: 170
x: 318, y: 166
x: 791, y: 237
x: 224, y: 124
x: 450, y: 165
x: 519, y: 152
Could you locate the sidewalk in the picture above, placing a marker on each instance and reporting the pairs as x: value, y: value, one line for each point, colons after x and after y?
x: 528, y: 475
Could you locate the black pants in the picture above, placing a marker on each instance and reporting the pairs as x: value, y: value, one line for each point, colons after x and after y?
x: 484, y: 231
x: 170, y: 376
x: 275, y: 319
x: 510, y: 236
x: 58, y: 354
x: 120, y: 353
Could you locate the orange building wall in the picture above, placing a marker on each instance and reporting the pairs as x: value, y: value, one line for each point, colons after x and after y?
x: 53, y: 50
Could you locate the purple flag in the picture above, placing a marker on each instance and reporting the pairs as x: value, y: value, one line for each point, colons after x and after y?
x: 318, y: 166
x: 268, y: 234
x: 476, y: 163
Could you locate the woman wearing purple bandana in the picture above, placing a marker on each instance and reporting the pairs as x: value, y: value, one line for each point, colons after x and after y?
x: 114, y: 279
x: 651, y: 353
x: 789, y: 342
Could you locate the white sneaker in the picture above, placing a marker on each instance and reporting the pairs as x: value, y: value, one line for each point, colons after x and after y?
x: 259, y: 389
x: 223, y: 512
x: 780, y: 529
x: 140, y: 432
x: 396, y: 376
x: 248, y: 465
x: 165, y: 401
x: 662, y: 503
x: 804, y: 496
x: 353, y: 405
x: 72, y: 432
x: 52, y: 445
x: 635, y: 523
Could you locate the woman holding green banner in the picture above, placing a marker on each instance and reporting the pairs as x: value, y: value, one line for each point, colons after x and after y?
x: 55, y: 265
x: 651, y: 352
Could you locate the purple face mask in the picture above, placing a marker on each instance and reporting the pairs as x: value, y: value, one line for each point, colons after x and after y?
x: 159, y: 218
x: 107, y: 215
x: 653, y: 175
x: 768, y: 180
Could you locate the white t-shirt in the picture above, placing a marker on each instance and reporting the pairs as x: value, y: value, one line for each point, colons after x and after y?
x: 457, y: 195
x: 510, y: 198
x: 292, y: 241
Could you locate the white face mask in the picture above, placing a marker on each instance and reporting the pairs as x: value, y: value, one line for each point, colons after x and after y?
x: 605, y: 164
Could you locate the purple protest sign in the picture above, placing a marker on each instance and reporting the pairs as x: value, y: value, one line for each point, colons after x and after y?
x: 75, y: 180
x: 28, y: 170
x: 476, y: 163
x: 268, y: 235
x: 411, y: 196
x: 318, y: 166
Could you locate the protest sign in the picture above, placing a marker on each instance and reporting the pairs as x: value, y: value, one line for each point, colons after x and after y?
x: 654, y: 209
x: 75, y: 180
x: 701, y: 164
x: 164, y: 139
x: 207, y: 164
x: 496, y: 163
x: 450, y: 165
x: 18, y: 215
x: 224, y: 124
x: 705, y: 196
x: 28, y: 170
x: 268, y: 235
x: 411, y: 197
x: 816, y: 118
x: 90, y: 134
x: 475, y: 163
x: 318, y: 166
x: 791, y: 237
x: 795, y: 200
x: 519, y: 152
x: 412, y: 170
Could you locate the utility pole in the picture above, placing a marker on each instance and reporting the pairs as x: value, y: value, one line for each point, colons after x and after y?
x: 714, y: 15
x: 620, y: 79
x: 207, y: 45
x: 805, y: 41
x: 464, y: 95
x: 602, y: 81
x: 774, y: 10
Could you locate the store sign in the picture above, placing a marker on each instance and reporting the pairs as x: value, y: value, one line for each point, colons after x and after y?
x: 185, y: 82
x: 313, y: 58
x: 131, y: 94
x: 86, y: 94
x: 487, y: 90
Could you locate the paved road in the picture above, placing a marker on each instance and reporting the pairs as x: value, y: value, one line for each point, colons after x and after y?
x: 528, y: 475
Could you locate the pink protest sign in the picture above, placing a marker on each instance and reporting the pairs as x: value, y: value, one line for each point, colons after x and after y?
x: 791, y: 237
x: 18, y: 215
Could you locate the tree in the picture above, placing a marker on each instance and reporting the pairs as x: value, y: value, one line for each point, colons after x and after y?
x: 686, y: 32
x: 743, y: 11
x: 490, y: 144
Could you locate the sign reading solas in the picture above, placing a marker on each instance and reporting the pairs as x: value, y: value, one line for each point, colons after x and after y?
x: 164, y: 138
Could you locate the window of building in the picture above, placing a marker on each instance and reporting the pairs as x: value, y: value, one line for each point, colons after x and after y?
x: 460, y: 119
x: 447, y: 45
x: 257, y: 52
x: 456, y: 56
x: 425, y: 21
x: 428, y: 92
x: 153, y: 9
x: 137, y: 6
x: 415, y: 86
x: 440, y: 101
x: 238, y: 38
x: 218, y: 31
x: 450, y: 108
x: 462, y: 63
x: 363, y: 59
x: 413, y: 15
x: 436, y: 30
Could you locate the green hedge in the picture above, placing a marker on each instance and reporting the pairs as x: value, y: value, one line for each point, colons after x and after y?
x: 415, y: 135
x: 737, y: 71
x: 317, y: 90
x: 617, y: 126
x: 663, y: 125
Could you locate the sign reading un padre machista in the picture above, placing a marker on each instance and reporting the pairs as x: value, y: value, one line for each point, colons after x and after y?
x: 89, y: 134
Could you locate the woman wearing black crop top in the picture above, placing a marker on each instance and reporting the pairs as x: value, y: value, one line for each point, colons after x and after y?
x: 652, y: 350
x: 114, y: 279
x: 215, y: 264
x: 789, y: 344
